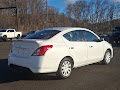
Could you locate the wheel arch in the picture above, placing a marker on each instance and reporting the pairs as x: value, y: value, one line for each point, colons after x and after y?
x: 110, y: 51
x: 69, y: 58
x: 4, y: 38
x: 4, y: 35
x: 18, y: 34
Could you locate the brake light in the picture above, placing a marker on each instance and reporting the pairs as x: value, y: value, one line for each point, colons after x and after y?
x: 42, y: 50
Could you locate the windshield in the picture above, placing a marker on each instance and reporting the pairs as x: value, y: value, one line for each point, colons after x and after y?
x: 2, y: 30
x: 43, y: 34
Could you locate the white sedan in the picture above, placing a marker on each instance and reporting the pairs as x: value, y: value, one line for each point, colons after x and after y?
x: 59, y: 50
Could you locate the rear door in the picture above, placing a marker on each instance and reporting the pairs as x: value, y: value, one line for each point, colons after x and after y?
x: 76, y: 46
x: 95, y: 49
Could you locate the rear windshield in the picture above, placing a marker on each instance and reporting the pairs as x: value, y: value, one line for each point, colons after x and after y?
x: 2, y: 30
x: 43, y: 34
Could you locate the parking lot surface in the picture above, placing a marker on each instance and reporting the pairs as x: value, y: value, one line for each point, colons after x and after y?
x: 91, y: 77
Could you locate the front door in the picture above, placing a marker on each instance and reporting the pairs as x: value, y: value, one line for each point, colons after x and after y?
x: 95, y: 48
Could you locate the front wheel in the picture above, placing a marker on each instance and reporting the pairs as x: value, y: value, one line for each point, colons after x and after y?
x: 4, y: 38
x: 107, y: 57
x: 65, y: 68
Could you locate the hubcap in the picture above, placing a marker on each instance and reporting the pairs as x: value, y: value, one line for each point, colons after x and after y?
x: 66, y: 68
x: 108, y: 57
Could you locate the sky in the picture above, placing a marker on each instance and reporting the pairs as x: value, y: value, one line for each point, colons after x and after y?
x: 58, y: 4
x: 61, y: 4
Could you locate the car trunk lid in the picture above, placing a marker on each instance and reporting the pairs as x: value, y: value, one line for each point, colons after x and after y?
x: 25, y: 47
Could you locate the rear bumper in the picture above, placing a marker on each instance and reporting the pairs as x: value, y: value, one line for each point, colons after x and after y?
x: 18, y: 69
x: 37, y: 64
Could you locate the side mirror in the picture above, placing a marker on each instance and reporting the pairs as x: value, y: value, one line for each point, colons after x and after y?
x: 100, y: 40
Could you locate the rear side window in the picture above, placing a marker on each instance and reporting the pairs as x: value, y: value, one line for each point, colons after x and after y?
x: 43, y: 34
x: 73, y: 36
x: 2, y: 30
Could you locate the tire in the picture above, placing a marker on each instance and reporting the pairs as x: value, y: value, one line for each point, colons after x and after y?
x: 107, y: 57
x: 10, y: 38
x: 65, y: 68
x: 4, y: 38
x: 18, y: 36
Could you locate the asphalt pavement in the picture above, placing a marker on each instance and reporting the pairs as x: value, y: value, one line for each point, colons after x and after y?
x: 90, y: 77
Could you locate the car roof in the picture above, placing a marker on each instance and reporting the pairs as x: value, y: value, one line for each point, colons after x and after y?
x: 66, y: 28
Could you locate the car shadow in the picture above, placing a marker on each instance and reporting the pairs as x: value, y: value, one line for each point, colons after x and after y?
x: 5, y: 41
x: 6, y: 75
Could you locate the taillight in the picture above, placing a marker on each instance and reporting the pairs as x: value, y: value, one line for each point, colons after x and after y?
x: 42, y: 50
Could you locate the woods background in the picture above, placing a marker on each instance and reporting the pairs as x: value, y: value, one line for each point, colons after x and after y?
x: 100, y: 16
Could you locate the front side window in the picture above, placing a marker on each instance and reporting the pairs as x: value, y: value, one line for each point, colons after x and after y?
x: 73, y: 36
x: 89, y: 36
x: 43, y: 34
x: 10, y: 31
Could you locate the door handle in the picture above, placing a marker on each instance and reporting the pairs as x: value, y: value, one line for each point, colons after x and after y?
x: 71, y: 47
x: 91, y: 46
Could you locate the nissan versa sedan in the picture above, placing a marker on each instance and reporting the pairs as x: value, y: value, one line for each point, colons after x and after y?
x: 59, y: 50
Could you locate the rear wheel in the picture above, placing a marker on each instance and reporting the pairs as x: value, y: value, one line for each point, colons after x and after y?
x: 18, y: 36
x: 4, y: 38
x: 107, y: 57
x: 65, y: 68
